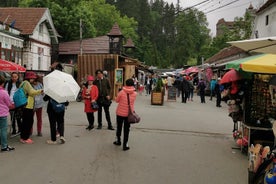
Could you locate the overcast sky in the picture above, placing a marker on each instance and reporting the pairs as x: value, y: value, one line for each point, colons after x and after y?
x: 217, y: 9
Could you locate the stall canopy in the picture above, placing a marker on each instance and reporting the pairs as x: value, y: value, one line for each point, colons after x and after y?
x: 262, y: 45
x: 262, y: 63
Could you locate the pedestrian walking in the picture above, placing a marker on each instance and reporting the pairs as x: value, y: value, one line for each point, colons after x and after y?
x: 28, y: 110
x: 201, y: 87
x: 90, y: 94
x: 212, y: 88
x: 5, y: 104
x: 104, y: 99
x: 15, y: 113
x: 191, y: 89
x: 122, y: 112
x: 56, y: 113
x: 218, y: 93
x: 37, y: 85
x: 185, y: 88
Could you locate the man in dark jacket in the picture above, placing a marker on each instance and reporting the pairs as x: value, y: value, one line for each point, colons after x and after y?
x: 185, y: 88
x: 104, y: 99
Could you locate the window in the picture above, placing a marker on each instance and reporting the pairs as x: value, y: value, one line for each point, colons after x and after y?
x: 266, y: 20
x: 40, y: 29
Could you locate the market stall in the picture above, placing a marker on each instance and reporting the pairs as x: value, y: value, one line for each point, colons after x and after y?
x: 258, y: 108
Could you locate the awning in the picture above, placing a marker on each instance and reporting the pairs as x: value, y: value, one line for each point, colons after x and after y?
x: 262, y: 63
x: 262, y: 45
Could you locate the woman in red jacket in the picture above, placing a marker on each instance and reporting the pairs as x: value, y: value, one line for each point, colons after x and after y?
x: 122, y: 112
x: 90, y: 94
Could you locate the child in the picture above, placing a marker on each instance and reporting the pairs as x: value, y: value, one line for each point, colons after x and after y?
x: 5, y: 104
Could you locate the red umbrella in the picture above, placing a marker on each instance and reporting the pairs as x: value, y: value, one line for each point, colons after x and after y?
x: 8, y: 66
x: 191, y: 69
x: 230, y: 76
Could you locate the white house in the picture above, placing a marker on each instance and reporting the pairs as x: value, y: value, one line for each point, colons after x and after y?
x: 265, y: 20
x: 38, y: 32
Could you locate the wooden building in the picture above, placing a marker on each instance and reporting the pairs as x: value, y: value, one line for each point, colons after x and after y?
x: 104, y: 52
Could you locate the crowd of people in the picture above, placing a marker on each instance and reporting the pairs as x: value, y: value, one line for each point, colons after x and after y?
x: 95, y: 90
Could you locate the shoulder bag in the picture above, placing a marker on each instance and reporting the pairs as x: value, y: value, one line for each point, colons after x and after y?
x: 132, y: 117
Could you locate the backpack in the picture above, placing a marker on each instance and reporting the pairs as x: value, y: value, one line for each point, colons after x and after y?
x: 20, y: 99
x: 57, y: 107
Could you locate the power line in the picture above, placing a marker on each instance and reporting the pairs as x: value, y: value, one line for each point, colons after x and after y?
x: 221, y: 7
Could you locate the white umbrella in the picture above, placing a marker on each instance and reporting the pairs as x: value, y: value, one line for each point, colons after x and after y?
x: 60, y: 86
x: 262, y: 45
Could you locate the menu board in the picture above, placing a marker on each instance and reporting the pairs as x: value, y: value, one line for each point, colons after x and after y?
x: 171, y: 94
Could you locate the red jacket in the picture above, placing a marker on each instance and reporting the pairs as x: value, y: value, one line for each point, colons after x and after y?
x: 93, y: 95
x: 121, y: 99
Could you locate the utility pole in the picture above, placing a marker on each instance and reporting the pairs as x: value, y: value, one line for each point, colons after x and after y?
x: 81, y: 37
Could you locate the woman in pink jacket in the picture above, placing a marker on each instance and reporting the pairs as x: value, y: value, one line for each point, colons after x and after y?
x: 90, y: 94
x: 122, y: 112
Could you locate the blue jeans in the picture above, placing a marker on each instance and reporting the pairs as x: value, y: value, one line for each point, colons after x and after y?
x: 4, y: 131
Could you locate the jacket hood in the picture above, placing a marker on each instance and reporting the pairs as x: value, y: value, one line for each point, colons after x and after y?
x: 129, y: 89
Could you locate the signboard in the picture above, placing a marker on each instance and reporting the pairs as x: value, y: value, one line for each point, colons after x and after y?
x: 171, y: 94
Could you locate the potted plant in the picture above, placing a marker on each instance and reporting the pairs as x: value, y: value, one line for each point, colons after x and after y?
x: 157, y: 94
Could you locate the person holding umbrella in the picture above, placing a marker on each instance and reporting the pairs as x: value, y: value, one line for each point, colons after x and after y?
x: 56, y: 112
x: 28, y: 110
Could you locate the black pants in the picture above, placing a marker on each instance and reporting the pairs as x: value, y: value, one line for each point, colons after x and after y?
x: 218, y: 99
x: 56, y: 124
x: 185, y: 95
x: 202, y: 96
x: 16, y: 116
x: 107, y: 115
x: 27, y: 123
x: 90, y: 118
x: 120, y: 122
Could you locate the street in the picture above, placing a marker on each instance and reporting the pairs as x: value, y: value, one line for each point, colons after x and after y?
x: 175, y: 143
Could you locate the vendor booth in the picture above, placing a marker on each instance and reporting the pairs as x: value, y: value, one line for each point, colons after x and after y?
x: 256, y: 97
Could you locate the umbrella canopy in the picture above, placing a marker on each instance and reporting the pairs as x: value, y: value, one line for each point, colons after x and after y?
x: 8, y: 66
x: 263, y: 45
x: 192, y: 69
x: 261, y: 63
x: 230, y: 76
x: 61, y: 86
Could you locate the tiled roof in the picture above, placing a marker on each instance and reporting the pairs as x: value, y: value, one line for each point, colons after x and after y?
x: 266, y: 5
x: 26, y: 19
x: 115, y: 31
x: 98, y: 45
x: 225, y: 53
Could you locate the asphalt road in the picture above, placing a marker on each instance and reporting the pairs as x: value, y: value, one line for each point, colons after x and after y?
x: 174, y: 144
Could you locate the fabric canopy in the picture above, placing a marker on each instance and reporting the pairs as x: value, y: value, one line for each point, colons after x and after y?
x: 262, y: 63
x: 262, y: 45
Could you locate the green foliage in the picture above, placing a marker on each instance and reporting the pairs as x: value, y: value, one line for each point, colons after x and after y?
x: 159, y: 85
x: 97, y: 18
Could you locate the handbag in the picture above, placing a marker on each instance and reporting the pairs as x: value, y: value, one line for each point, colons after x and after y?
x: 19, y: 97
x: 94, y: 105
x: 132, y: 117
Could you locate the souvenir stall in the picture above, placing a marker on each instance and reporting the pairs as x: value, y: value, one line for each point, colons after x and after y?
x: 258, y: 105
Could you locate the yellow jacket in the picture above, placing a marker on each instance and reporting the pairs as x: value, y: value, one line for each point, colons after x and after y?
x: 30, y: 93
